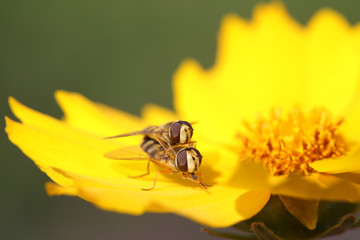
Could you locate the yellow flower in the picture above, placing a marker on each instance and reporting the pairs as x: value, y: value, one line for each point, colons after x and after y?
x: 285, y: 98
x: 276, y: 114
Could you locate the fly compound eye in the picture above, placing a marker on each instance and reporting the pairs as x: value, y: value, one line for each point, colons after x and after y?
x: 198, y: 155
x: 187, y: 124
x: 193, y: 159
x: 186, y: 132
x: 175, y: 130
x: 189, y: 129
x: 181, y: 160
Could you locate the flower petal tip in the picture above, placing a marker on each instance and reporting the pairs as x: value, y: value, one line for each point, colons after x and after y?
x: 264, y: 10
x: 327, y: 17
x: 9, y: 126
x: 21, y: 111
x: 63, y: 97
x: 53, y: 189
x: 14, y: 104
x: 156, y: 115
x: 189, y: 70
x: 231, y: 23
x: 63, y: 94
x: 189, y: 64
x: 7, y: 120
x: 230, y: 19
x: 11, y: 99
x: 59, y: 94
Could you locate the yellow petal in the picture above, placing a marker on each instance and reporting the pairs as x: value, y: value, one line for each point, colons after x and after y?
x: 333, y: 60
x: 54, y: 189
x: 349, y: 176
x: 218, y: 164
x: 198, y: 100
x: 351, y: 126
x: 210, y: 207
x: 31, y: 117
x: 252, y: 57
x: 348, y: 163
x: 156, y: 115
x: 252, y: 175
x: 98, y: 119
x: 64, y: 181
x: 68, y: 149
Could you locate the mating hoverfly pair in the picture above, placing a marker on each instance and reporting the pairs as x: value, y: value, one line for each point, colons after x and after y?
x: 169, y: 146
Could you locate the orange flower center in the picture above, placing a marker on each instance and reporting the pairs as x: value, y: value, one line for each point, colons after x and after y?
x: 286, y: 143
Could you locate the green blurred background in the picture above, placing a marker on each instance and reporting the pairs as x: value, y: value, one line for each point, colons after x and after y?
x: 122, y: 53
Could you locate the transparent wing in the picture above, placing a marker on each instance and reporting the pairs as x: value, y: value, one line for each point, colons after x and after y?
x: 128, y: 153
x: 142, y: 132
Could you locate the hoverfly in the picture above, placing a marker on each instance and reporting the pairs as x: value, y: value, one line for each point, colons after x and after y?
x: 184, y: 159
x: 167, y: 135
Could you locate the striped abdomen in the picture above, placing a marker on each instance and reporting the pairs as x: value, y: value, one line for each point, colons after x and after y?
x: 152, y: 148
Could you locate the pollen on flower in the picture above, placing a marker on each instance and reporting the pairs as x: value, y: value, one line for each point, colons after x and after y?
x: 286, y: 143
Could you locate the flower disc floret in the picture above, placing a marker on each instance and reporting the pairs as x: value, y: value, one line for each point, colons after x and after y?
x: 286, y: 143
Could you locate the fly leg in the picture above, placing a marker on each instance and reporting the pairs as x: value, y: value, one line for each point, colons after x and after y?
x: 166, y: 148
x: 145, y: 174
x: 148, y: 189
x: 201, y: 180
x: 192, y: 144
x: 168, y: 170
x: 194, y: 178
x: 163, y: 171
